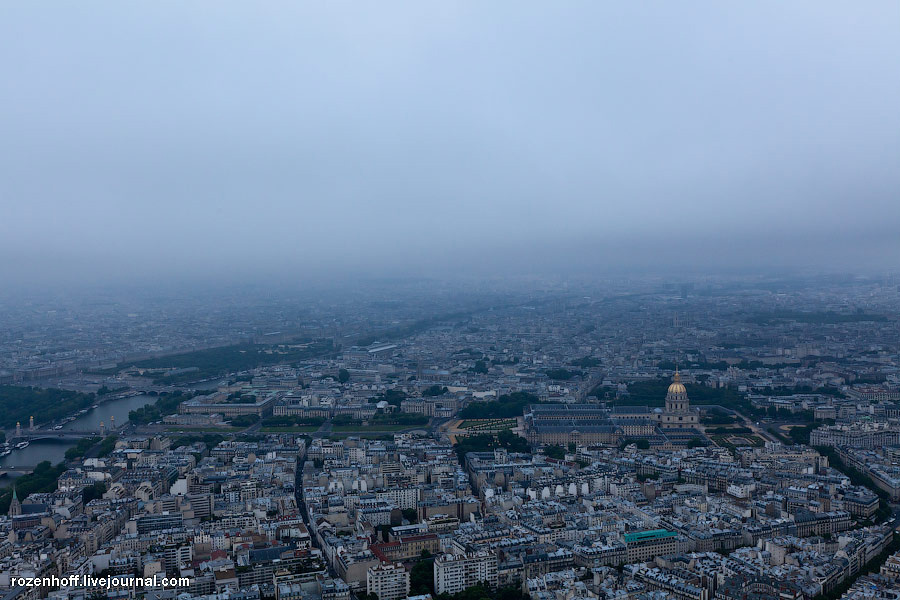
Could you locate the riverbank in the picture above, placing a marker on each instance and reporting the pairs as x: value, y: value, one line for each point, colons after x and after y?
x: 115, y: 410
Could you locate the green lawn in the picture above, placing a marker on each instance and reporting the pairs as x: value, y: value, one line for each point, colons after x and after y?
x: 722, y: 439
x: 492, y: 424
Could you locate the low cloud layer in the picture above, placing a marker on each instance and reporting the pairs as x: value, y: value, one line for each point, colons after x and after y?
x: 230, y: 140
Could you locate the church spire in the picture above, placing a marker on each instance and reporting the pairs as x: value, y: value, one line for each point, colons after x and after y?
x: 15, y: 507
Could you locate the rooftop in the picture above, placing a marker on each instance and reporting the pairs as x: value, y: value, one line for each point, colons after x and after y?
x: 653, y: 534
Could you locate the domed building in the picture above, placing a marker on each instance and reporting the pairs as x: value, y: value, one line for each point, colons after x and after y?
x: 678, y: 412
x: 674, y: 425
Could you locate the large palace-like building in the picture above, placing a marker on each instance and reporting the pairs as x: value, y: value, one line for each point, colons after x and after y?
x: 590, y: 424
x: 677, y: 414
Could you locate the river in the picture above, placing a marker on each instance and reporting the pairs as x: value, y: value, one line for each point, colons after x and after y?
x: 116, y: 408
x: 55, y: 450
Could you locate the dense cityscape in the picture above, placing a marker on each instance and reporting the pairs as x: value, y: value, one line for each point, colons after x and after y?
x: 410, y: 300
x: 696, y: 439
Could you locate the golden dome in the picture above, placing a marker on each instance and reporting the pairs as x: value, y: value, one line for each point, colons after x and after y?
x: 676, y: 387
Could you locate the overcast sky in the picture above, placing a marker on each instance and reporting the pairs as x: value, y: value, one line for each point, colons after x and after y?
x: 237, y: 139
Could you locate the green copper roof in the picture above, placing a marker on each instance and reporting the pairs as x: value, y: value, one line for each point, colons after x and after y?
x: 653, y: 534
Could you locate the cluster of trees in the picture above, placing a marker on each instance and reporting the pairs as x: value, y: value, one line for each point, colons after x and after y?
x: 507, y: 361
x: 393, y: 397
x: 93, y: 492
x: 421, y: 576
x: 291, y: 421
x: 42, y: 480
x: 585, y: 362
x: 873, y: 566
x: 210, y: 439
x: 107, y: 446
x: 244, y: 420
x: 641, y: 443
x: 555, y: 451
x: 721, y: 365
x: 727, y: 430
x: 240, y: 398
x: 562, y: 374
x: 486, y: 442
x: 506, y: 406
x: 777, y: 412
x: 411, y: 515
x: 214, y: 362
x: 800, y: 434
x: 480, y: 367
x: 398, y: 418
x: 471, y: 352
x: 857, y: 477
x: 79, y: 449
x: 166, y: 404
x: 482, y: 590
x: 105, y: 390
x: 413, y: 328
x: 716, y: 417
x: 435, y: 390
x: 784, y: 439
x: 805, y: 389
x: 45, y: 404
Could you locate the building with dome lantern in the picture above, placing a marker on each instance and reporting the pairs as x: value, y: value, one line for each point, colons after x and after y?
x: 678, y: 412
x: 587, y: 424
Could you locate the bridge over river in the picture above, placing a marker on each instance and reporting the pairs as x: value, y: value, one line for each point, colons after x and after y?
x: 69, y: 434
x: 16, y: 469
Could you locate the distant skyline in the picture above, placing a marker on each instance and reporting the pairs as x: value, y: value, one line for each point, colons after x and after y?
x: 229, y: 141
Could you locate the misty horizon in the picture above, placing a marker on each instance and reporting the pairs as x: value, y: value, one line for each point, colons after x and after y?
x: 229, y: 143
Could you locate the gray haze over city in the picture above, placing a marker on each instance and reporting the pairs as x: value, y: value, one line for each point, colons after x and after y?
x: 233, y: 141
x: 450, y: 300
